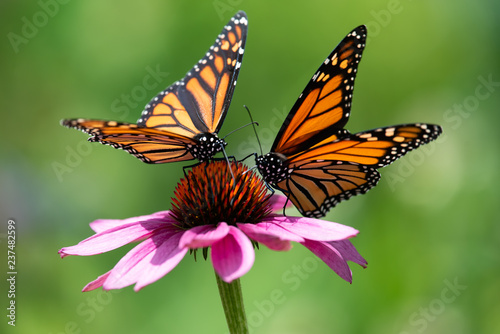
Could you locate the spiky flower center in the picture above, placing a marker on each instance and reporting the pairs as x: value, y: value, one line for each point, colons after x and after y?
x: 209, y: 195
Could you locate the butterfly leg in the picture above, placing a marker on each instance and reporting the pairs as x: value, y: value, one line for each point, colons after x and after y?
x: 286, y: 193
x: 248, y: 156
x: 190, y: 166
x: 228, y: 163
x: 284, y: 206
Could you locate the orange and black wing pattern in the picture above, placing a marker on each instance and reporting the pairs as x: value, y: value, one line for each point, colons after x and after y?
x: 324, y: 106
x: 317, y: 186
x: 182, y: 122
x: 199, y: 102
x: 336, y: 169
x: 148, y: 144
x: 317, y: 163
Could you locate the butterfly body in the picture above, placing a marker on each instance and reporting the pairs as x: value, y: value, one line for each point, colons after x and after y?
x: 207, y: 145
x: 181, y: 123
x: 317, y: 163
x: 273, y: 166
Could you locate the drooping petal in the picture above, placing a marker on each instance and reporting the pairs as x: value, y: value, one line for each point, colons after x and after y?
x: 203, y: 236
x: 117, y: 237
x: 348, y: 252
x: 97, y: 283
x: 271, y: 235
x: 232, y: 256
x: 101, y: 225
x: 139, y: 261
x: 331, y: 256
x: 313, y: 229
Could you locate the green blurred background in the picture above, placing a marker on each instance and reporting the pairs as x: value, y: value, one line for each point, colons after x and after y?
x: 431, y: 223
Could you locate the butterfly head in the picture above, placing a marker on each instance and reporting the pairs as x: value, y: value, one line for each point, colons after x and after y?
x: 272, y: 167
x: 208, y: 144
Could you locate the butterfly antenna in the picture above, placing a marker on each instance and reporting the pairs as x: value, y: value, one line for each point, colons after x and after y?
x: 254, y: 128
x: 241, y: 127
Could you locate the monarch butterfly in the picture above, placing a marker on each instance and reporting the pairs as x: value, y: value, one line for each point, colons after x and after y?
x: 314, y: 160
x: 181, y: 122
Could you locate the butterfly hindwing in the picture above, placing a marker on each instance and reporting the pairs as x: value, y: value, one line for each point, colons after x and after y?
x: 182, y: 122
x: 336, y: 170
x: 324, y: 105
x: 315, y: 187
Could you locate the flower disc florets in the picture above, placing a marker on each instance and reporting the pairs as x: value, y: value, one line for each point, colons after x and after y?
x: 209, y: 195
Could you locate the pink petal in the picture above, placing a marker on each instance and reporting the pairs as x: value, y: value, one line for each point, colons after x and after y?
x: 313, y: 229
x: 147, y: 262
x: 167, y: 257
x: 203, y: 236
x: 117, y: 237
x: 278, y: 201
x: 348, y: 252
x: 232, y: 256
x: 97, y: 283
x: 270, y: 235
x: 331, y: 256
x: 101, y: 225
x: 128, y: 270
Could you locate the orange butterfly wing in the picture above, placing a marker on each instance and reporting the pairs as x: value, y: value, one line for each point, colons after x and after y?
x: 323, y: 107
x: 199, y: 102
x: 316, y: 186
x: 182, y: 122
x: 338, y: 168
x: 375, y: 148
x: 314, y: 160
x: 147, y: 144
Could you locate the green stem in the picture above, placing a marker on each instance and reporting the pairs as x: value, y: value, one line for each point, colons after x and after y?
x: 232, y: 302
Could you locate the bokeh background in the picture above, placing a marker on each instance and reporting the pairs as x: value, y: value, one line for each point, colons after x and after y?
x: 429, y: 230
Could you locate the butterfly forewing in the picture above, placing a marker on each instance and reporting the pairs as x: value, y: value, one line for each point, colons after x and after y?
x: 377, y: 148
x: 324, y: 106
x: 199, y: 102
x: 149, y: 145
x: 181, y: 123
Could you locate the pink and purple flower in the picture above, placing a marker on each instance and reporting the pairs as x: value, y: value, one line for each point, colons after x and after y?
x: 212, y: 210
